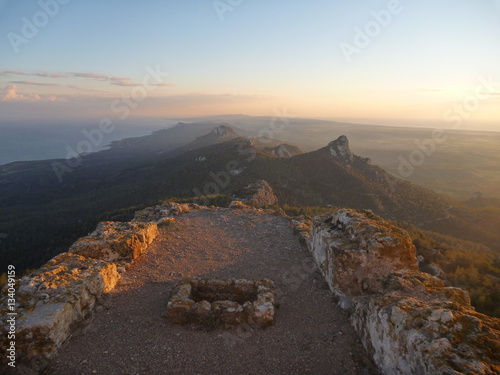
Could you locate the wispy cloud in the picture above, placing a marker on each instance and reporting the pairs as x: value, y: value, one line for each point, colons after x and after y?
x: 10, y: 93
x: 132, y: 83
x: 95, y: 76
x: 112, y: 80
x: 36, y: 74
x: 51, y: 75
x: 34, y: 83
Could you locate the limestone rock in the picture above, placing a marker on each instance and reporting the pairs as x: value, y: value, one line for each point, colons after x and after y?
x: 356, y: 250
x: 416, y: 328
x: 258, y: 194
x: 408, y: 320
x: 238, y: 204
x: 164, y: 210
x: 166, y: 221
x: 433, y: 269
x: 116, y: 241
x: 50, y: 301
x: 339, y: 149
x: 302, y: 227
x: 216, y: 302
x: 285, y: 151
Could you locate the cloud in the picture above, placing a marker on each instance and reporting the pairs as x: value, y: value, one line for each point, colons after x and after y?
x: 37, y: 74
x: 128, y: 82
x: 112, y: 80
x: 97, y: 76
x: 9, y: 93
x: 51, y: 75
x: 14, y: 72
x: 34, y: 83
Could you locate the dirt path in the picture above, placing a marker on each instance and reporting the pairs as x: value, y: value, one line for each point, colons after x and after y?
x: 130, y: 335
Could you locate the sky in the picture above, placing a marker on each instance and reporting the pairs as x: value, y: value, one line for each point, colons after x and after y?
x: 390, y: 62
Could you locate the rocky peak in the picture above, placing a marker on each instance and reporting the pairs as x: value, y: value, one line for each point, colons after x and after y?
x: 224, y: 131
x: 339, y: 149
x: 281, y: 152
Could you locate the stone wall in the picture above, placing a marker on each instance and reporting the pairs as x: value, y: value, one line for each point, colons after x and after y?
x: 116, y: 241
x: 408, y: 320
x: 53, y: 300
x: 50, y: 301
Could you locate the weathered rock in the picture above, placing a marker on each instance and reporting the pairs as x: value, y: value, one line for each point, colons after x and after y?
x: 356, y: 250
x: 237, y: 204
x: 408, y: 320
x: 164, y: 210
x: 258, y: 194
x: 280, y: 212
x: 216, y: 302
x: 302, y: 227
x: 433, y: 269
x: 166, y: 221
x: 421, y: 327
x: 115, y: 241
x: 340, y: 150
x: 285, y: 151
x: 50, y: 301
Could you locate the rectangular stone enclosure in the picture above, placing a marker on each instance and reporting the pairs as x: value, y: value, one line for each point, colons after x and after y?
x: 214, y: 302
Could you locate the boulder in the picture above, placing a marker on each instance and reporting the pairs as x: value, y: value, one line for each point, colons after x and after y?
x: 356, y: 250
x: 238, y: 204
x: 258, y: 194
x: 116, y: 241
x: 164, y: 210
x: 418, y: 326
x: 302, y: 227
x: 408, y: 320
x: 52, y: 300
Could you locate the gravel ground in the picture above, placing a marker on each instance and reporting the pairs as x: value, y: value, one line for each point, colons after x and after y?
x: 129, y: 334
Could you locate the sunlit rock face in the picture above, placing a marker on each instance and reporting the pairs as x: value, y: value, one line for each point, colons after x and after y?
x: 52, y: 300
x: 224, y: 131
x: 418, y: 326
x: 356, y: 250
x: 339, y: 149
x: 258, y: 194
x: 165, y: 210
x: 408, y: 320
x: 116, y: 241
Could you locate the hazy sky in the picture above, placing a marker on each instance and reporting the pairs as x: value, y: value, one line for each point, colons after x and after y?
x: 396, y: 62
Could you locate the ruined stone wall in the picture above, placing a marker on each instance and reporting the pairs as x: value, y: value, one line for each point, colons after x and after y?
x: 50, y: 302
x: 408, y: 320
